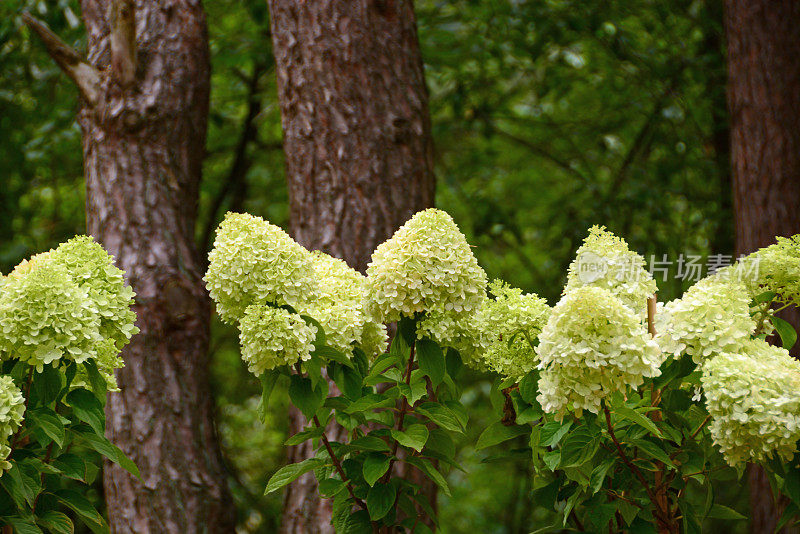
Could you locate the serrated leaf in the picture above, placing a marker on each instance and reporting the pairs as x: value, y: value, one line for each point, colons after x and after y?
x: 24, y: 526
x: 56, y: 522
x: 303, y: 395
x: 552, y: 432
x: 47, y: 421
x: 110, y: 451
x: 635, y: 417
x: 719, y: 511
x: 268, y: 380
x: 45, y: 386
x: 579, y: 447
x: 305, y: 435
x: 529, y: 387
x: 289, y: 473
x: 380, y: 500
x: 497, y: 433
x: 431, y: 360
x: 413, y: 437
x: 375, y: 466
x: 88, y: 409
x: 83, y: 508
x: 653, y: 451
x: 786, y: 331
x: 370, y: 443
x: 441, y: 415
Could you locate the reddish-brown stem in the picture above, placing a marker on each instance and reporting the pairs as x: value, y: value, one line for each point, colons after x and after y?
x: 403, y: 410
x: 338, y: 465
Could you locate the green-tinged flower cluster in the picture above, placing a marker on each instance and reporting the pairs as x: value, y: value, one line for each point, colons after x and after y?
x: 255, y: 262
x: 754, y: 400
x: 12, y: 408
x: 426, y: 266
x: 45, y: 316
x: 271, y: 337
x: 712, y: 317
x: 458, y: 330
x: 511, y: 323
x: 93, y: 268
x: 775, y: 268
x: 339, y: 307
x: 604, y: 260
x: 592, y: 346
x: 70, y: 303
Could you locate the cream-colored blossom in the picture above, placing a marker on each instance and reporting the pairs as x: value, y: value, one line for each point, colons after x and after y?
x: 511, y: 323
x: 12, y: 409
x: 592, y: 346
x: 605, y: 260
x: 712, y: 317
x: 426, y: 266
x: 255, y: 262
x: 753, y: 397
x: 271, y: 337
x: 45, y: 316
x: 775, y: 269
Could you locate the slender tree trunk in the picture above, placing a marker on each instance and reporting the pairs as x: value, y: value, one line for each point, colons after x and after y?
x: 764, y: 103
x: 143, y: 143
x: 354, y: 109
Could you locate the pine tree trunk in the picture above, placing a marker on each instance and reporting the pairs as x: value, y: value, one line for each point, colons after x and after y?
x: 764, y: 104
x: 354, y: 110
x: 143, y: 143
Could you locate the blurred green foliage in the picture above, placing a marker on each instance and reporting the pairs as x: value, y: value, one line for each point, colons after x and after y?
x: 548, y: 116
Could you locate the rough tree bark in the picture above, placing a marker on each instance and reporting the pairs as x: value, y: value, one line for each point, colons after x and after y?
x: 354, y: 110
x: 145, y: 89
x: 764, y: 104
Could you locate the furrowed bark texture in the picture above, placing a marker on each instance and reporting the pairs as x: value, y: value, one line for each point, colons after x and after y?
x: 354, y: 110
x: 143, y: 146
x: 764, y: 104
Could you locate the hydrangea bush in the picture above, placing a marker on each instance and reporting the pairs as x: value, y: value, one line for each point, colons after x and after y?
x: 632, y: 411
x: 64, y: 317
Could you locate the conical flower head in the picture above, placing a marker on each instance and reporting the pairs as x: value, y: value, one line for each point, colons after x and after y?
x: 12, y: 408
x: 592, y: 346
x: 753, y: 397
x: 712, y: 317
x: 45, y: 316
x: 271, y: 337
x: 511, y: 323
x: 255, y: 262
x: 605, y: 260
x: 426, y: 266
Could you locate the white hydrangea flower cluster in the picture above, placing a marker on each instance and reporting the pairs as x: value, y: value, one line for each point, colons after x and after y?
x: 46, y: 316
x: 255, y: 262
x: 775, y: 268
x: 511, y: 322
x: 68, y: 303
x: 426, y: 266
x: 712, y: 317
x: 339, y: 307
x: 12, y: 408
x: 458, y: 330
x: 271, y: 337
x: 754, y: 403
x: 605, y: 260
x: 592, y: 346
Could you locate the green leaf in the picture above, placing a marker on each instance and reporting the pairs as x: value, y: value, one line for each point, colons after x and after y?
x: 45, y: 386
x: 413, y: 392
x: 375, y: 466
x: 268, y: 380
x: 289, y: 473
x: 96, y: 381
x: 46, y: 420
x: 791, y: 484
x: 441, y: 415
x: 20, y: 486
x: 529, y: 387
x: 370, y: 443
x: 497, y: 433
x: 719, y: 511
x: 599, y: 474
x: 642, y: 420
x: 348, y: 380
x: 415, y: 436
x: 370, y: 402
x: 110, y: 451
x: 579, y: 447
x: 330, y: 487
x: 440, y: 442
x: 56, y: 522
x: 303, y: 395
x: 88, y: 409
x: 71, y: 466
x: 552, y: 459
x: 552, y: 432
x: 333, y: 355
x: 653, y: 450
x: 24, y: 526
x: 319, y: 340
x: 83, y: 508
x: 305, y: 435
x: 380, y: 500
x: 431, y: 360
x: 427, y: 467
x: 786, y: 331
